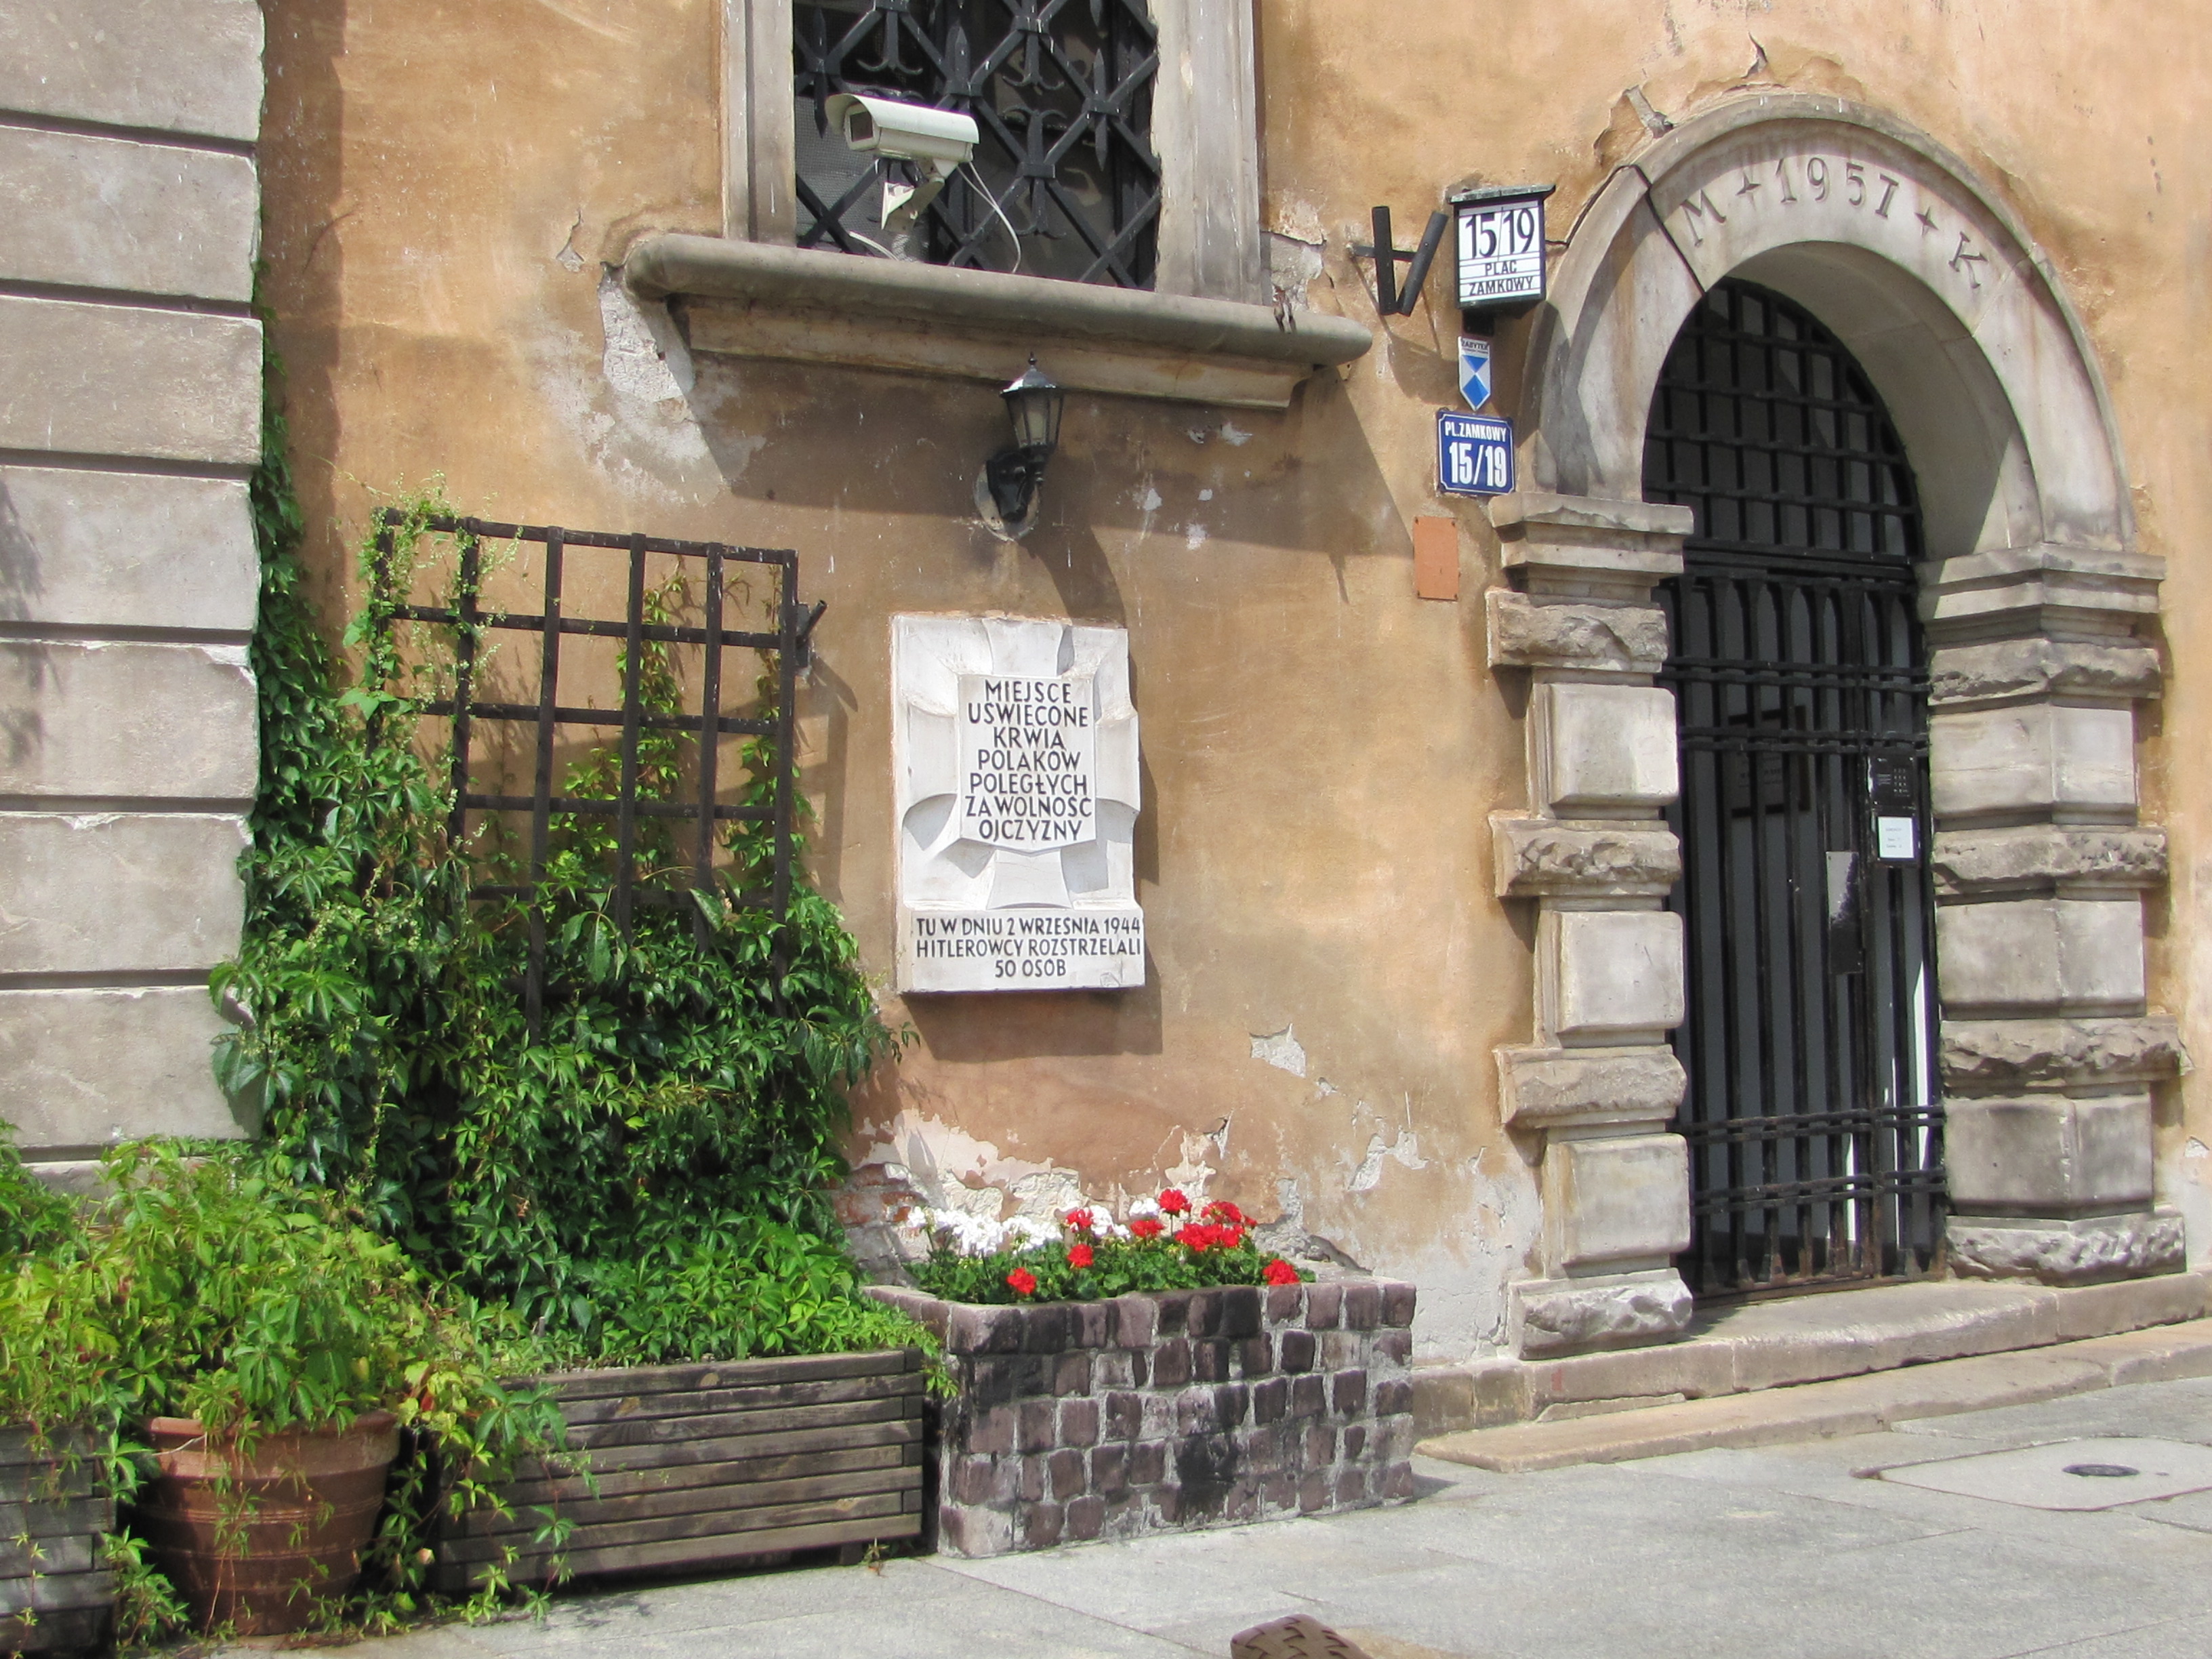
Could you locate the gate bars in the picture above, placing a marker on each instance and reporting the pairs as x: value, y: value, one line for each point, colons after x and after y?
x: 467, y: 619
x: 1814, y: 1128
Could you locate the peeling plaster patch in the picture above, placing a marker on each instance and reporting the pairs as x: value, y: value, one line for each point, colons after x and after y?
x: 1323, y: 1088
x: 634, y: 419
x: 1295, y: 262
x: 953, y: 1170
x: 1281, y: 1050
x: 1205, y: 494
x: 1196, y: 538
x: 1406, y: 1149
x: 1150, y: 500
x: 1193, y: 1171
x: 1198, y: 434
x: 645, y: 358
x: 1235, y: 436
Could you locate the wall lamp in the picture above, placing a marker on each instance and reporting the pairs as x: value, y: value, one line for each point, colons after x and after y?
x: 1006, y: 489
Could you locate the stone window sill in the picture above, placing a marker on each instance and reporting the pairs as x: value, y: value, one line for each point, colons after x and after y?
x: 761, y: 300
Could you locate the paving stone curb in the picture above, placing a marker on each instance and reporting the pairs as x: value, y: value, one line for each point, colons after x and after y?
x: 1856, y: 1405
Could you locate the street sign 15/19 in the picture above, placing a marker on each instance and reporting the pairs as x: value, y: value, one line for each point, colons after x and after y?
x: 1501, y: 251
x: 1474, y: 455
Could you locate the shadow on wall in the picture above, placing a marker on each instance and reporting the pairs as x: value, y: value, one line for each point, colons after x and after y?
x: 21, y: 583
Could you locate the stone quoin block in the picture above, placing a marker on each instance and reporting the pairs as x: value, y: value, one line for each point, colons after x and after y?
x: 187, y: 66
x: 2041, y: 956
x: 81, y: 1069
x: 2047, y: 1155
x: 1602, y: 750
x: 1543, y: 1086
x: 2036, y: 757
x: 1607, y: 978
x: 1539, y: 857
x: 2039, y: 857
x: 126, y: 550
x: 2080, y: 1252
x: 2035, y: 667
x: 1619, y: 1310
x: 1527, y: 633
x: 1624, y: 1200
x: 2008, y: 1056
x: 119, y: 892
x: 1038, y: 1448
x: 126, y: 720
x: 111, y: 213
x: 105, y: 379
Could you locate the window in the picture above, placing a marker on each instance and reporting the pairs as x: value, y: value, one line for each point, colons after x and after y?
x: 1064, y: 182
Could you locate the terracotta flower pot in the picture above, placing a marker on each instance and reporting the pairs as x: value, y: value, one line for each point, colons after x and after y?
x: 254, y: 1539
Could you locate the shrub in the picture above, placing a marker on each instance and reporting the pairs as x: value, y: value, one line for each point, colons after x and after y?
x: 686, y: 1083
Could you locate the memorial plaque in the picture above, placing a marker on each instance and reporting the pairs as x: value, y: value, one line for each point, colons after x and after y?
x: 1028, y: 747
x: 1018, y: 789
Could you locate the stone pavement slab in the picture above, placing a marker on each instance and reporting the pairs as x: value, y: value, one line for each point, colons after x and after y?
x: 1780, y: 1552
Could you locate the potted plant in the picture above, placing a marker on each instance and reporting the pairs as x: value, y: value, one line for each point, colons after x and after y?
x: 58, y: 1414
x: 1162, y: 1372
x: 272, y: 1353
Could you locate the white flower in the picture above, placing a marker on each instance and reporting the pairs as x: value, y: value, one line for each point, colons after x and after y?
x: 1143, y: 1206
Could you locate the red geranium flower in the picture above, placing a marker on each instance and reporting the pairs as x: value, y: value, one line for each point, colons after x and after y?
x: 1279, y: 1272
x: 1145, y: 1227
x: 1078, y: 1256
x: 1222, y: 1210
x: 1172, y: 1202
x: 1205, y: 1235
x: 1079, y: 1219
x: 1023, y: 1280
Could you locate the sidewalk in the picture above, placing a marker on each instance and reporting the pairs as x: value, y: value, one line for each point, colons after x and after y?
x: 1786, y: 1552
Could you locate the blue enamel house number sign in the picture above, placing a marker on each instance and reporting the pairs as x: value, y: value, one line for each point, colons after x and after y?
x: 1475, y: 453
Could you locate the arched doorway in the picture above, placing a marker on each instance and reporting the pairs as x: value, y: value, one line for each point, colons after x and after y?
x: 2035, y: 601
x: 1800, y: 686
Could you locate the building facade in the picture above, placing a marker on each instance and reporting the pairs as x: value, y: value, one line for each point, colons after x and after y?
x: 1742, y: 856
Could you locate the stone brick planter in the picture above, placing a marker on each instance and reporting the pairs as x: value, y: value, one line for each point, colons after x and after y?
x: 705, y: 1466
x: 1171, y: 1410
x: 56, y: 1591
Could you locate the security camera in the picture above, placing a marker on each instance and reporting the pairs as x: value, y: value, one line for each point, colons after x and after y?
x: 939, y: 139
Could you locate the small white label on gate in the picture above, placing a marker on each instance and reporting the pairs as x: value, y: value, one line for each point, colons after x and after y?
x: 1896, y: 838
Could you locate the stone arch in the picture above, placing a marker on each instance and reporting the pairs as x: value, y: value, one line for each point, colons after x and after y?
x: 1888, y: 239
x: 2031, y: 594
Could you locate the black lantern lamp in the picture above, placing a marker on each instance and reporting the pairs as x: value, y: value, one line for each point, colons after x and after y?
x: 1006, y: 490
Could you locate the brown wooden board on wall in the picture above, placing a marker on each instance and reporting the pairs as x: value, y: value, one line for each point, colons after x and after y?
x: 1436, y: 558
x: 702, y: 1465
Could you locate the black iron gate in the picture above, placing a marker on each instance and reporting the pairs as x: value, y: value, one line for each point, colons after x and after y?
x: 1815, y: 1137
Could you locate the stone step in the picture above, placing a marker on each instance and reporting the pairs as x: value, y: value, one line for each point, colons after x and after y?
x: 1807, y: 1339
x: 1856, y: 1405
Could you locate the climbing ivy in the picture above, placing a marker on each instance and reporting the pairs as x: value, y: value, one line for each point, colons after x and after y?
x: 677, y: 1106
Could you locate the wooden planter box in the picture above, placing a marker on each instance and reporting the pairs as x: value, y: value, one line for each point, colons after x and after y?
x: 1168, y: 1410
x: 55, y: 1588
x: 702, y: 1466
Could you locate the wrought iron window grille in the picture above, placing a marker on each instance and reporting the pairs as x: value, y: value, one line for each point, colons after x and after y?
x: 1064, y: 181
x: 697, y: 809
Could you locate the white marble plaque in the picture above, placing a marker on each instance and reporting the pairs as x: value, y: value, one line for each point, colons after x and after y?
x: 1015, y: 753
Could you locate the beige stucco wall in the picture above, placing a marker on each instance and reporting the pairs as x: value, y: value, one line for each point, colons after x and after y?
x: 1322, y: 748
